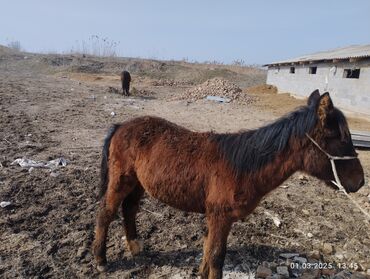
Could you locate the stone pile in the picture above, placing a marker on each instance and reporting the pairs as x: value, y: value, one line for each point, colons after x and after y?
x: 217, y: 87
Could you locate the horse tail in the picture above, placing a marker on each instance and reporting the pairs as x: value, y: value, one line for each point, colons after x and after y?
x: 104, y: 177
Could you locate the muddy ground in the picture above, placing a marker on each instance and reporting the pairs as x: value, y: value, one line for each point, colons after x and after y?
x: 59, y: 106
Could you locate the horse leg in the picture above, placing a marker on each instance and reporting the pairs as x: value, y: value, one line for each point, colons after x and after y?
x: 107, y: 211
x: 214, y: 247
x: 123, y: 87
x: 130, y: 206
x: 204, y: 267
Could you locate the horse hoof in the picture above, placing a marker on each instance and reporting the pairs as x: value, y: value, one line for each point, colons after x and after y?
x: 135, y: 246
x: 101, y: 268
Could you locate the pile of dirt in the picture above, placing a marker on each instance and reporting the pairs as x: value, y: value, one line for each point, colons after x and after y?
x: 89, y: 67
x: 7, y: 51
x: 217, y: 87
x: 57, y: 60
x: 263, y: 88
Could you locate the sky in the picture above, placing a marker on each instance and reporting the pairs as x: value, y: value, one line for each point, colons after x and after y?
x: 255, y: 32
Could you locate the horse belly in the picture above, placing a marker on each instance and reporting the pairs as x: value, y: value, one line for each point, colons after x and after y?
x: 184, y: 193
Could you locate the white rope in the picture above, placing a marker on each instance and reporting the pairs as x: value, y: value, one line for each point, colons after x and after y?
x: 336, y: 177
x: 341, y: 189
x: 331, y: 157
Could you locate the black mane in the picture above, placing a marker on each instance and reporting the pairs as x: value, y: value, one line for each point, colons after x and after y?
x: 251, y: 150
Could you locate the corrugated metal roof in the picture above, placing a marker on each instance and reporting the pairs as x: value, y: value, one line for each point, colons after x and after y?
x: 355, y: 51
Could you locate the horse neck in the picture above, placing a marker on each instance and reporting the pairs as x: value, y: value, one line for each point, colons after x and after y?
x: 285, y: 163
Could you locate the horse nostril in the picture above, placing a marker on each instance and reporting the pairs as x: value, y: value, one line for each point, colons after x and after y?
x: 362, y: 182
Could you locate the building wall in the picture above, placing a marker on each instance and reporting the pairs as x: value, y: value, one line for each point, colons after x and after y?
x: 347, y: 93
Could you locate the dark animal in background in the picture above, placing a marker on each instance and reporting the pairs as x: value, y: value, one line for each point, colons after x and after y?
x: 125, y: 80
x: 223, y: 176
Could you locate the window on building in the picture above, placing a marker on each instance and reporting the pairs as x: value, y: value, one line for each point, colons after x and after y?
x: 292, y: 70
x: 312, y: 70
x: 351, y: 73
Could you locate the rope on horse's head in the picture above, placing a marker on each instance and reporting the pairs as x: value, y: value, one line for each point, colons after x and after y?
x: 335, y: 173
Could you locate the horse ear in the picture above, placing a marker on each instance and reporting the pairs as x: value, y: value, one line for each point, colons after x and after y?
x: 325, y: 106
x: 313, y: 98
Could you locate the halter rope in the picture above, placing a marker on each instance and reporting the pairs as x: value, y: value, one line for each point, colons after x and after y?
x: 334, y: 169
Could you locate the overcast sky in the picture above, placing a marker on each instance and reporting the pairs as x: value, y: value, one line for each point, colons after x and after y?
x: 255, y: 31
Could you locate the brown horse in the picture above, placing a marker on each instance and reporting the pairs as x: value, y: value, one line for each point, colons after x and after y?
x: 221, y: 175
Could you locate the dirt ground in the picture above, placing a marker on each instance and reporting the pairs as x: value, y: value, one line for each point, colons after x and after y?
x: 59, y: 106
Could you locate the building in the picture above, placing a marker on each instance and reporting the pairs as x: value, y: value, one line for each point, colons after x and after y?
x: 343, y: 72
